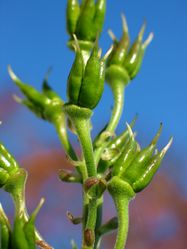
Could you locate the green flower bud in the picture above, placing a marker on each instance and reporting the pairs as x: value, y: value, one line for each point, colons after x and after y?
x: 123, y: 64
x: 85, y: 20
x: 86, y: 84
x: 137, y: 166
x: 46, y: 104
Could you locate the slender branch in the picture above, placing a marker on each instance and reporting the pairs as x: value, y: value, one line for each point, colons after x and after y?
x: 118, y: 95
x: 62, y: 133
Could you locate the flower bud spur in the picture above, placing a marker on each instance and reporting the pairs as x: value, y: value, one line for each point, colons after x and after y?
x: 151, y: 168
x: 72, y: 15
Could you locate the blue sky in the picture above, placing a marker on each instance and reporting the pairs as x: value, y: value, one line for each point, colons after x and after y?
x: 33, y: 37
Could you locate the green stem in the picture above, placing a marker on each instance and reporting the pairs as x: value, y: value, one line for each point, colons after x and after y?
x: 62, y: 133
x: 122, y: 207
x: 80, y: 118
x: 121, y: 193
x: 82, y: 127
x: 118, y: 95
x: 92, y: 214
x: 98, y: 222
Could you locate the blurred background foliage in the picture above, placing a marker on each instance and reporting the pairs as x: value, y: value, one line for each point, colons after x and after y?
x: 32, y: 38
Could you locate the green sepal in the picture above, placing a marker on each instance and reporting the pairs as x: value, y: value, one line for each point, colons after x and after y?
x: 18, y: 237
x: 141, y: 55
x: 75, y: 76
x: 84, y: 45
x: 16, y: 182
x: 117, y: 73
x: 100, y: 10
x: 151, y: 168
x: 115, y: 147
x: 126, y: 157
x: 93, y: 81
x: 46, y: 104
x: 5, y: 230
x: 132, y: 58
x: 7, y: 161
x: 29, y: 226
x: 5, y: 237
x: 3, y: 177
x: 76, y: 112
x: 72, y: 15
x: 30, y: 92
x: 120, y: 47
x: 84, y: 28
x: 119, y: 188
